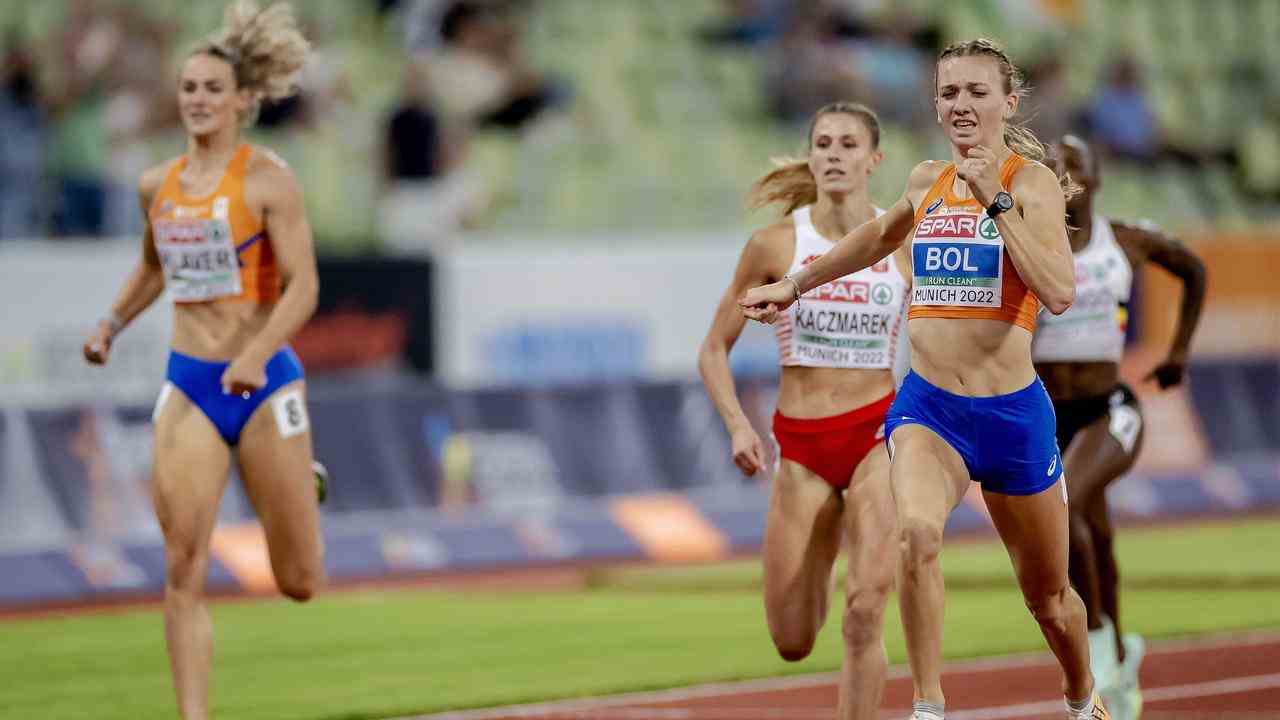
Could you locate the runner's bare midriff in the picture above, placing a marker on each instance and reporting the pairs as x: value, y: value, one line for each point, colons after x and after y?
x: 817, y: 392
x: 975, y: 357
x: 217, y: 331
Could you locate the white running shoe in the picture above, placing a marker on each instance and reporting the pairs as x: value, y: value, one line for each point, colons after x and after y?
x: 1097, y: 712
x: 1102, y: 655
x: 1135, y: 649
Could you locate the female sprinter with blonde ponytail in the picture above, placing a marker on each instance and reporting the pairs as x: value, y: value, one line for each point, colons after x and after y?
x: 226, y: 234
x: 836, y: 347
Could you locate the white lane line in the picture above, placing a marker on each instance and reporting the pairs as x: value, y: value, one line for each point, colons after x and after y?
x: 1216, y: 687
x: 1228, y: 686
x: 1005, y: 712
x: 992, y: 664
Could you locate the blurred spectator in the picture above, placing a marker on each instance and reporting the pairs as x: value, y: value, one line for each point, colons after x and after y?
x: 747, y: 22
x: 386, y: 6
x: 85, y: 50
x: 1047, y: 110
x: 1120, y: 117
x: 428, y: 196
x: 897, y: 74
x: 1258, y: 151
x: 139, y: 102
x: 809, y: 67
x: 421, y: 22
x: 22, y: 144
x: 480, y: 73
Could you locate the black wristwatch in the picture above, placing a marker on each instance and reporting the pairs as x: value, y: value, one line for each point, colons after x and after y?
x: 1002, y: 203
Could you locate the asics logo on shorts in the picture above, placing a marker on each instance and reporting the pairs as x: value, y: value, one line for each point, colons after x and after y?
x: 1053, y: 465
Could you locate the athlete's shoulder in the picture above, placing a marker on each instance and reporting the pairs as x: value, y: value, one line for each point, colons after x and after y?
x: 264, y: 162
x: 772, y: 246
x: 1035, y: 184
x: 778, y: 234
x: 1144, y: 226
x: 151, y: 180
x: 922, y: 178
x: 268, y: 176
x: 927, y: 172
x: 1035, y: 172
x: 1140, y: 238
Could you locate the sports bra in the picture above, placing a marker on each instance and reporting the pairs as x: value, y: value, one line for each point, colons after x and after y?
x: 850, y: 322
x: 960, y: 267
x: 212, y: 248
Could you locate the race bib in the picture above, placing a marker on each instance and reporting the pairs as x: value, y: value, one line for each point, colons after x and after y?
x: 958, y: 261
x: 290, y: 412
x: 198, y: 257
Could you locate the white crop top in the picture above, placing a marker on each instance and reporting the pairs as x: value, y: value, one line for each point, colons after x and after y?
x: 852, y: 322
x: 1093, y: 328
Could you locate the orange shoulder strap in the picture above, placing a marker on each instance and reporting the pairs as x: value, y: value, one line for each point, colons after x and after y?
x: 1011, y: 168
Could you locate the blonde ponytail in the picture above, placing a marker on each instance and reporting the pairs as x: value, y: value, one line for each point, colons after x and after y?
x: 1021, y: 140
x: 790, y: 183
x: 264, y: 47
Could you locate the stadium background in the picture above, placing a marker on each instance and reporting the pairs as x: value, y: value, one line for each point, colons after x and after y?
x: 523, y: 224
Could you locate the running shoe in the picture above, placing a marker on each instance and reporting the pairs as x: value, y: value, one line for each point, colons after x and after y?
x: 322, y: 480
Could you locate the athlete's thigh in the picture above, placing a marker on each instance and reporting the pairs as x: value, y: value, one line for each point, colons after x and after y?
x: 929, y: 477
x: 189, y: 471
x: 275, y: 456
x: 1034, y: 531
x: 802, y: 528
x: 870, y: 524
x: 1095, y: 458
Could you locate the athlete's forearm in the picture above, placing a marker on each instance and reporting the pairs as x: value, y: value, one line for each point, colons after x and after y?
x: 296, y: 305
x: 863, y: 247
x: 1048, y: 272
x: 1193, y: 289
x: 144, y: 284
x: 713, y: 366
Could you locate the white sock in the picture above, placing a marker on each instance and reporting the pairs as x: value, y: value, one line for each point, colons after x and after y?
x: 1081, y: 707
x: 921, y: 710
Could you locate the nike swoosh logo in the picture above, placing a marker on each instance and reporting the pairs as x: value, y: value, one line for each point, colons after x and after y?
x: 1053, y: 465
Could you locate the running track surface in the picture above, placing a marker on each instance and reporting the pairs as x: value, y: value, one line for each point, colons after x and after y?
x: 1221, y: 678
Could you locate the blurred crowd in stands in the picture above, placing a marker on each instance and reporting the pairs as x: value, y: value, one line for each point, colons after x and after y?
x: 87, y: 102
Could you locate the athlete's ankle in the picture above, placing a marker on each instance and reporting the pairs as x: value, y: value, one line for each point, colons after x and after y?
x: 925, y: 710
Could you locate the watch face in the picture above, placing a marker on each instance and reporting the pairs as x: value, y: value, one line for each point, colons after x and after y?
x: 1004, y: 200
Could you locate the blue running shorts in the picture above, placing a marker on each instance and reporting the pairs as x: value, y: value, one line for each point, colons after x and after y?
x: 1008, y: 442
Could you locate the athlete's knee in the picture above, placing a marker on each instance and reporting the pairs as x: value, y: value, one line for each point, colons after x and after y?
x: 185, y: 563
x: 298, y: 583
x: 1053, y: 606
x: 794, y: 645
x: 920, y: 541
x: 794, y: 632
x: 864, y: 615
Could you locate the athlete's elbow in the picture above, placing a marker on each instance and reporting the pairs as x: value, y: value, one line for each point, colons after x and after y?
x: 1057, y: 302
x: 306, y: 287
x: 712, y: 350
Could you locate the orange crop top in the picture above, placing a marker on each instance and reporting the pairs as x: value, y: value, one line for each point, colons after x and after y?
x: 959, y: 265
x: 212, y: 248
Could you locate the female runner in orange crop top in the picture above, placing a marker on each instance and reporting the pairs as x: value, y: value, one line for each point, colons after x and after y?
x: 227, y: 235
x: 989, y: 244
